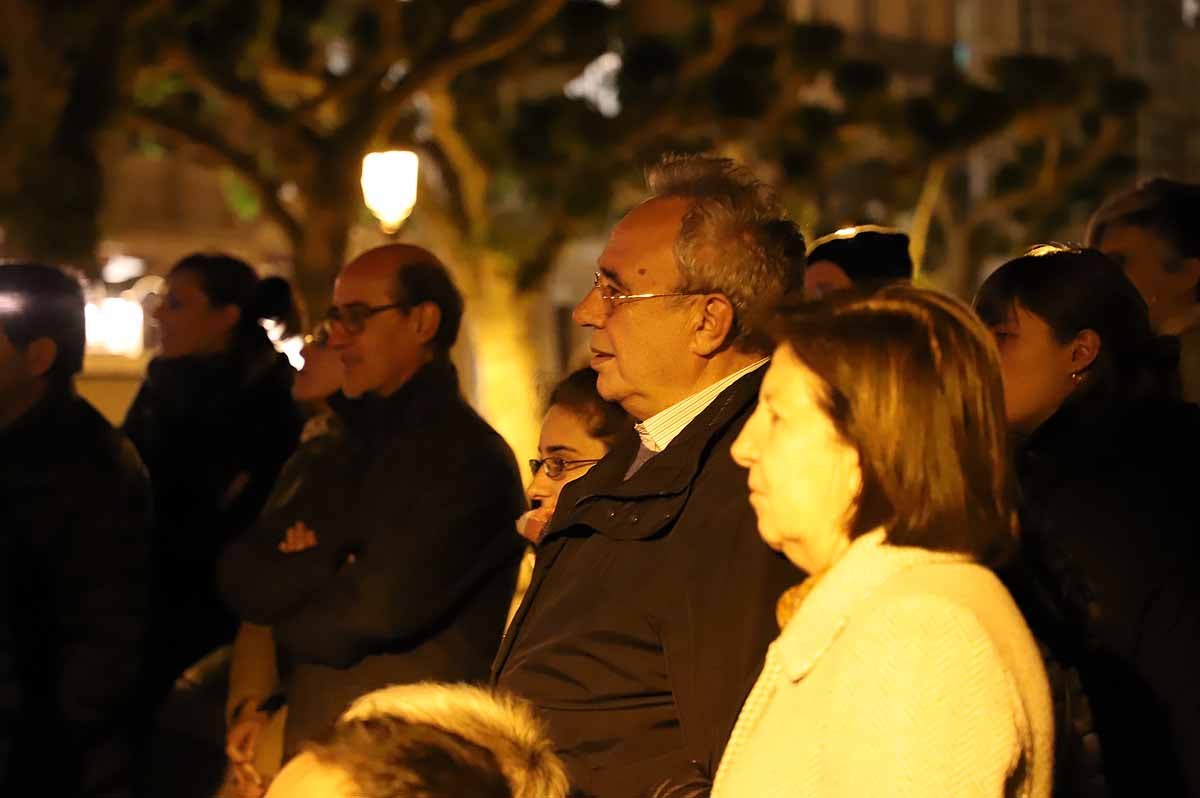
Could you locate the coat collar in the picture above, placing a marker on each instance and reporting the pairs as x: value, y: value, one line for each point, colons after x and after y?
x: 864, y: 568
x: 655, y: 495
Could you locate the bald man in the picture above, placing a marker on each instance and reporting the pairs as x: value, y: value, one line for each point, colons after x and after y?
x: 408, y: 559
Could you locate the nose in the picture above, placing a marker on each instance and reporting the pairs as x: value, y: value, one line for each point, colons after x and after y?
x: 541, y: 488
x: 338, y: 337
x: 590, y: 311
x: 745, y: 446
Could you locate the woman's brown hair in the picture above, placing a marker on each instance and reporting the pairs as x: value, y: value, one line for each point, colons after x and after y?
x: 913, y: 382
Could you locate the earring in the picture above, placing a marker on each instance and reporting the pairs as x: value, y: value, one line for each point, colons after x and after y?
x: 1076, y: 377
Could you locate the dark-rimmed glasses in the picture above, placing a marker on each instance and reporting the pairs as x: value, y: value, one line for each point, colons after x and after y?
x: 353, y: 317
x: 556, y: 466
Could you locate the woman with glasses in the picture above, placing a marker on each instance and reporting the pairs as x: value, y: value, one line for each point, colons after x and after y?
x: 578, y: 430
x: 254, y: 713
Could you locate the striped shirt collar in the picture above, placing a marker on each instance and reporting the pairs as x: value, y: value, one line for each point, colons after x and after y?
x: 660, y: 429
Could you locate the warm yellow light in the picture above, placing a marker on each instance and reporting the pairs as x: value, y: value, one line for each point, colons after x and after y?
x: 114, y: 326
x: 389, y: 186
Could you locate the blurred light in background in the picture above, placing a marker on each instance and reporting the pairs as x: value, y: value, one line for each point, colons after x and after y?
x: 289, y: 346
x: 121, y: 268
x: 389, y: 186
x: 115, y: 325
x: 597, y: 85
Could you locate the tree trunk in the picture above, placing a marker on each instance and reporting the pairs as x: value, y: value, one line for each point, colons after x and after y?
x: 320, y: 250
x: 500, y: 335
x: 958, y: 272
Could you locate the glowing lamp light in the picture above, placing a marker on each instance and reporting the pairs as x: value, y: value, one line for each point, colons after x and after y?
x: 389, y: 186
x: 114, y: 326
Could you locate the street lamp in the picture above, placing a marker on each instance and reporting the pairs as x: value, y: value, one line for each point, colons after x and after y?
x: 389, y: 186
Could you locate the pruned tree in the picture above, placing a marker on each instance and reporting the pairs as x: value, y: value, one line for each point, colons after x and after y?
x: 59, y: 71
x: 289, y: 96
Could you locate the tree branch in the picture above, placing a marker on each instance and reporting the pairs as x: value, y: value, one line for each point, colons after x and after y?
x: 453, y: 59
x: 471, y: 173
x: 216, y: 79
x: 366, y: 77
x: 241, y: 162
x: 1105, y: 144
x: 923, y: 214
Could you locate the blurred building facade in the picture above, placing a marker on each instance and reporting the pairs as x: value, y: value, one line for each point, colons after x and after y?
x: 1157, y: 40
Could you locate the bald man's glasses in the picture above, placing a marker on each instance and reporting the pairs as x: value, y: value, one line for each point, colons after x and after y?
x: 353, y: 318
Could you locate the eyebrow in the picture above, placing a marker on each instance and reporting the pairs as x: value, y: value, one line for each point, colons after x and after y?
x: 611, y: 276
x: 560, y: 449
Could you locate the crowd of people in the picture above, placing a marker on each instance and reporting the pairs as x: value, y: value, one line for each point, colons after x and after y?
x: 800, y: 527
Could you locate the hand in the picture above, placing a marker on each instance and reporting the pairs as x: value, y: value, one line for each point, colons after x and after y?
x: 241, y: 742
x: 532, y: 524
x: 234, y: 489
x: 298, y: 538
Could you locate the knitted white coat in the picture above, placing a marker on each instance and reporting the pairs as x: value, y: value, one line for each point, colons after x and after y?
x: 904, y: 672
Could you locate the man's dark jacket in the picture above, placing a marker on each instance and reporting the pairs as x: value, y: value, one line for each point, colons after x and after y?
x: 650, y: 610
x: 425, y: 504
x: 75, y: 508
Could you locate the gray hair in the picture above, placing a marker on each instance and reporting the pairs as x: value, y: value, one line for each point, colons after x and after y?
x: 735, y: 240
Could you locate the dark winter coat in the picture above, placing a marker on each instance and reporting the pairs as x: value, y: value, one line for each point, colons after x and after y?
x: 213, y: 432
x: 1111, y: 540
x: 75, y: 578
x: 424, y: 498
x: 650, y: 610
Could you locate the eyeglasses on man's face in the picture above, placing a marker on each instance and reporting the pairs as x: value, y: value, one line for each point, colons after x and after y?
x: 612, y: 299
x: 557, y: 466
x: 351, y: 318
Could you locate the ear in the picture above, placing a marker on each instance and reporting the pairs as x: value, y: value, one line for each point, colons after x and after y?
x: 1084, y: 350
x: 40, y: 356
x: 427, y: 317
x: 713, y: 321
x: 231, y: 314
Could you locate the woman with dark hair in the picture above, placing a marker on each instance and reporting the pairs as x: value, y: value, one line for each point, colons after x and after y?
x: 877, y: 465
x: 214, y: 421
x: 1105, y: 463
x: 579, y: 429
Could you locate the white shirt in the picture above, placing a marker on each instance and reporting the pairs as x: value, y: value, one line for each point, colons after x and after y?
x: 660, y: 429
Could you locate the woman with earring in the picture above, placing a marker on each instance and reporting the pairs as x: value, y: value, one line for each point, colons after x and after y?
x: 1105, y: 460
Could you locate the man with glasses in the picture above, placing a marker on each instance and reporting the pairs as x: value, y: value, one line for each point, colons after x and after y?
x: 651, y: 604
x: 401, y: 567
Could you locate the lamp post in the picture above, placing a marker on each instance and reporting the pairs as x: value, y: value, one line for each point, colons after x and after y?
x: 389, y: 186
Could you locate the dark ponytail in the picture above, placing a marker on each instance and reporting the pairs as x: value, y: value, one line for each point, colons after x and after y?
x: 227, y: 280
x: 274, y: 299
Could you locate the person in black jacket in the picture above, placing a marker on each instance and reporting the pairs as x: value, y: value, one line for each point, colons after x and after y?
x: 214, y: 422
x: 410, y: 557
x: 863, y: 257
x: 1105, y: 462
x: 74, y: 561
x: 652, y: 600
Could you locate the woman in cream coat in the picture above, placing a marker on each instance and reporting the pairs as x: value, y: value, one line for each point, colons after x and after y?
x: 877, y: 465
